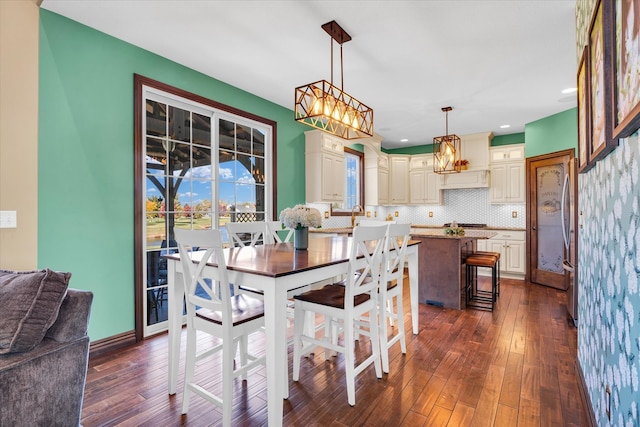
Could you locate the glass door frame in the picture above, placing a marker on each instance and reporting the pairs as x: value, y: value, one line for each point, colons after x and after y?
x: 141, y: 86
x: 535, y: 275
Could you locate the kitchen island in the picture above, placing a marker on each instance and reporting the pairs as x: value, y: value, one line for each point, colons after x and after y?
x: 441, y: 265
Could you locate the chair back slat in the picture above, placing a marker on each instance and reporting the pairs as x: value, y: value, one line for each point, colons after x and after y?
x: 247, y: 233
x: 396, y: 252
x: 273, y: 235
x: 364, y: 275
x: 212, y: 293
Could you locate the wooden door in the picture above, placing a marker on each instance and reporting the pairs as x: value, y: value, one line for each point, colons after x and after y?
x: 545, y: 248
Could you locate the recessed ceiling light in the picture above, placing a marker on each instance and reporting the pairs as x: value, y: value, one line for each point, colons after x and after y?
x: 404, y: 140
x: 505, y: 126
x: 569, y: 90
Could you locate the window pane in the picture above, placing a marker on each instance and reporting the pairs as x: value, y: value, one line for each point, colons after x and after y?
x: 179, y: 124
x: 156, y: 230
x: 227, y: 135
x: 258, y: 170
x: 201, y: 129
x: 156, y: 158
x: 227, y: 171
x: 352, y: 174
x: 179, y: 157
x: 155, y: 192
x: 244, y: 167
x: 156, y: 118
x: 243, y: 139
x: 201, y: 163
x: 258, y: 143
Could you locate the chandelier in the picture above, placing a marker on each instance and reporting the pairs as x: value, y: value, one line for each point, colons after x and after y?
x: 324, y: 106
x: 446, y: 150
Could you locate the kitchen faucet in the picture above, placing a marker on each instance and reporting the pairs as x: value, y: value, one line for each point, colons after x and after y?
x: 353, y: 214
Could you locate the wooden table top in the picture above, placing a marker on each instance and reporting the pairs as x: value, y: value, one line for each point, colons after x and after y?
x: 281, y: 259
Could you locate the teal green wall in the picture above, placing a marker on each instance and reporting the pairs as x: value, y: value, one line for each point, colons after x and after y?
x: 513, y: 138
x: 85, y: 173
x: 553, y: 133
x: 418, y: 149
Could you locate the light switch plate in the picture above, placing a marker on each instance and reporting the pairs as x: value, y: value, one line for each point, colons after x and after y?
x: 8, y: 219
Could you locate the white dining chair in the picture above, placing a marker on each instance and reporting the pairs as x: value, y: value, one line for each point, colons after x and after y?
x: 277, y: 234
x: 247, y: 233
x: 211, y: 309
x: 345, y: 303
x: 391, y: 289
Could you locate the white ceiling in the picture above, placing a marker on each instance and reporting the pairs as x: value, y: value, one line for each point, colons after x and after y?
x: 495, y: 62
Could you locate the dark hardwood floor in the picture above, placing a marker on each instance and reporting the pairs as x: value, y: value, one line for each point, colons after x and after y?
x: 510, y: 367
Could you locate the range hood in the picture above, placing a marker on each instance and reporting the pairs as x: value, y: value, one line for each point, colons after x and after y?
x: 478, y: 178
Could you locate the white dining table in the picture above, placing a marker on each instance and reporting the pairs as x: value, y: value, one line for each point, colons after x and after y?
x: 274, y: 269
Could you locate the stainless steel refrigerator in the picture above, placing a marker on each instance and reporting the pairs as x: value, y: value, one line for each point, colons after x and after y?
x: 569, y: 207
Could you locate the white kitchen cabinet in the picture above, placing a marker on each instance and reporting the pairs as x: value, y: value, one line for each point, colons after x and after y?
x: 511, y: 246
x: 506, y: 153
x: 398, y: 179
x: 507, y: 170
x: 507, y: 183
x: 376, y: 174
x: 324, y: 163
x: 424, y: 184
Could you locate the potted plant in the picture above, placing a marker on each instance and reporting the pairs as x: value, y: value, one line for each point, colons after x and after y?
x: 300, y: 218
x: 464, y: 164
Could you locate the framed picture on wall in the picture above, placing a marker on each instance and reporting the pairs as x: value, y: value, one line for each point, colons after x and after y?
x: 626, y: 48
x: 601, y: 80
x: 584, y: 112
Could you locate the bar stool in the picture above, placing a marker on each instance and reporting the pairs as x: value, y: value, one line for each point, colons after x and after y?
x: 497, y: 256
x: 478, y: 298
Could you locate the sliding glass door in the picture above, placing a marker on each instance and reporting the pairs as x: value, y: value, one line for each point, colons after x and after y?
x: 200, y: 168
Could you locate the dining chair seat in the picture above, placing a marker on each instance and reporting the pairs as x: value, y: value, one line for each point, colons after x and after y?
x: 243, y: 310
x: 331, y: 295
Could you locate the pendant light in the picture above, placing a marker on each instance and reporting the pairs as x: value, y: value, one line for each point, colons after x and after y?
x: 324, y: 106
x: 446, y: 150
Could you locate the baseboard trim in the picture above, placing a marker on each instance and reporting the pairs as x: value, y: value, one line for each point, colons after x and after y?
x: 109, y: 344
x: 584, y: 395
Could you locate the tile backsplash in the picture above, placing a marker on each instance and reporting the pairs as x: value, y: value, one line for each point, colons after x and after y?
x: 464, y: 205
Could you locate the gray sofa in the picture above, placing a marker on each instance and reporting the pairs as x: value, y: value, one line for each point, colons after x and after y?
x: 45, y: 386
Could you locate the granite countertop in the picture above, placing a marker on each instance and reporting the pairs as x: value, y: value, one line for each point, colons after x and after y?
x: 427, y: 231
x: 439, y: 233
x: 488, y: 227
x: 336, y: 230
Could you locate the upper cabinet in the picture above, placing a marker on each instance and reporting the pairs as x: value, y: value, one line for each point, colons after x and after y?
x: 507, y: 170
x: 424, y: 183
x: 399, y: 179
x: 376, y: 173
x: 475, y: 149
x: 324, y: 162
x: 506, y: 153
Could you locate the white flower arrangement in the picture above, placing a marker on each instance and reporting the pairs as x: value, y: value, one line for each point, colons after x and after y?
x: 301, y: 216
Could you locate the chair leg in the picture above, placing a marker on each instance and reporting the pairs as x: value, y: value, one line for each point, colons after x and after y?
x: 375, y: 341
x: 298, y: 327
x: 228, y: 353
x: 190, y: 364
x: 350, y: 360
x: 400, y: 320
x: 244, y: 350
x: 384, y: 337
